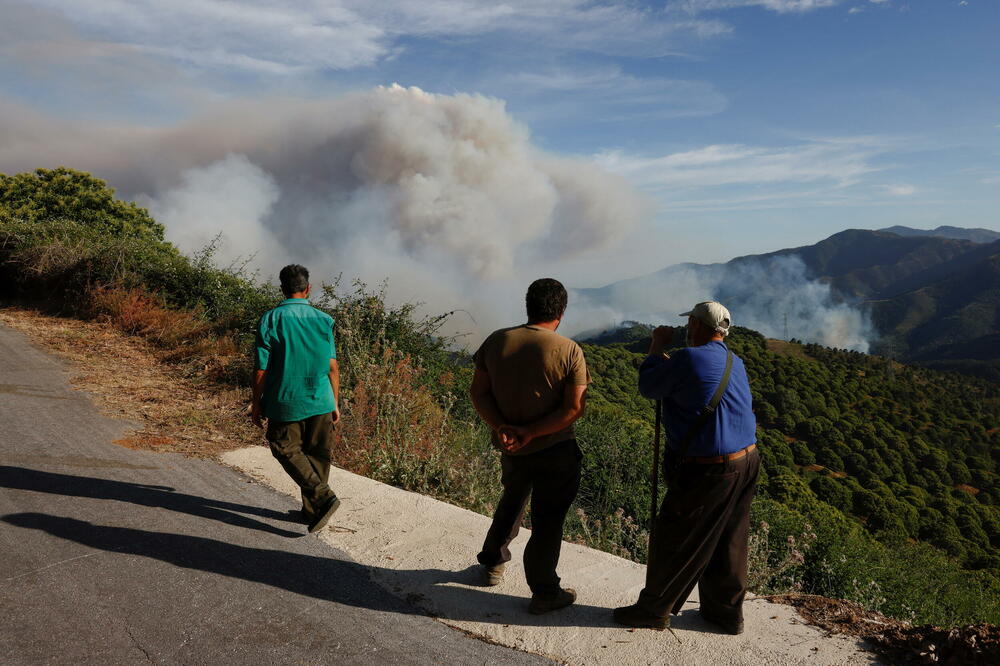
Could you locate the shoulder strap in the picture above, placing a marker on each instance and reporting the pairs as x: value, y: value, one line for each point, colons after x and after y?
x: 709, y: 409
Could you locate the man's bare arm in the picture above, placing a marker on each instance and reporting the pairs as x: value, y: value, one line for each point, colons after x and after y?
x: 334, y: 376
x: 258, y: 390
x: 573, y: 406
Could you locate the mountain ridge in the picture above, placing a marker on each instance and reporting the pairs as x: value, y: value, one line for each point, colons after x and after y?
x: 926, y: 295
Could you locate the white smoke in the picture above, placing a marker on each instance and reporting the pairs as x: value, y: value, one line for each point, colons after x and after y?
x: 444, y: 196
x: 231, y: 198
x: 774, y: 296
x: 776, y: 290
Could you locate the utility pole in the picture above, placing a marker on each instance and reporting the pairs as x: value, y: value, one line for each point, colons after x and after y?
x: 786, y: 327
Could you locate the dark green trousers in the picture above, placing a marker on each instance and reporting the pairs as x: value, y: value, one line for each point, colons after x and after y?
x: 303, y: 449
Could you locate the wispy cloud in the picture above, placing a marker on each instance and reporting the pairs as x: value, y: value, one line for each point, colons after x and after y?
x: 840, y: 162
x: 780, y: 6
x: 583, y: 24
x: 900, y: 190
x: 277, y: 37
x: 250, y: 34
x: 611, y: 94
x: 45, y: 53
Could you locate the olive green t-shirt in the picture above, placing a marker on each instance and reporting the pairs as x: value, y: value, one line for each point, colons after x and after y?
x: 529, y: 368
x: 295, y: 345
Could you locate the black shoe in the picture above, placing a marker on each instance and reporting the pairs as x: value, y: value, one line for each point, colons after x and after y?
x: 324, y: 516
x: 545, y: 604
x: 634, y: 616
x: 734, y: 627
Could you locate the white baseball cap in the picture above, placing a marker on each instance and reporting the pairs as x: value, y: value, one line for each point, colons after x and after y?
x: 714, y: 315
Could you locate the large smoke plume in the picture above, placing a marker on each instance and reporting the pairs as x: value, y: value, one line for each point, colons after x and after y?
x: 443, y: 195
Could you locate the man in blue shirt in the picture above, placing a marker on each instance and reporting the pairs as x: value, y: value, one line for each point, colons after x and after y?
x: 295, y: 386
x: 700, y: 532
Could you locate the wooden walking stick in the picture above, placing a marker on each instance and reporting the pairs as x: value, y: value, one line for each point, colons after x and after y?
x: 656, y: 469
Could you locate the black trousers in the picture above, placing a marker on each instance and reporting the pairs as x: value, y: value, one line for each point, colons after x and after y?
x: 303, y: 449
x: 700, y: 536
x: 551, y: 478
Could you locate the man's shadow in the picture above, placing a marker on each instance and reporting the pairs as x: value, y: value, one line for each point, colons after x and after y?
x: 162, y: 497
x: 325, y: 578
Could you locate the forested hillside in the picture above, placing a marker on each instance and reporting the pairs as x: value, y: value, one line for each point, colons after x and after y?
x: 879, y: 480
x: 933, y: 298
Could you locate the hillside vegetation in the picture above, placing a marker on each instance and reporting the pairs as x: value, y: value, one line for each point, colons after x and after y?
x: 933, y: 297
x: 879, y: 480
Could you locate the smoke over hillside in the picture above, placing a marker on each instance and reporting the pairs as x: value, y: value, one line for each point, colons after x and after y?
x: 772, y: 295
x: 444, y: 195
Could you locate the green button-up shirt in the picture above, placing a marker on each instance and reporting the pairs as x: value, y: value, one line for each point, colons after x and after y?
x: 294, y: 345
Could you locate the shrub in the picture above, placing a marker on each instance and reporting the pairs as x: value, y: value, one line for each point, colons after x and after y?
x: 136, y: 312
x: 51, y: 194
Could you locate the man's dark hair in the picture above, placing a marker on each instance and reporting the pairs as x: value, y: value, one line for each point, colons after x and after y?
x: 545, y: 300
x: 294, y: 279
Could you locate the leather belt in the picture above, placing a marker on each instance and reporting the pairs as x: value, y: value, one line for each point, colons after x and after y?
x: 710, y: 460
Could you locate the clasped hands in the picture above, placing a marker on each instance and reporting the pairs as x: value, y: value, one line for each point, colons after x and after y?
x: 513, y: 438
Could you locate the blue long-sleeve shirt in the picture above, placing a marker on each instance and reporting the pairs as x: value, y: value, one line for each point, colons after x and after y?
x: 686, y: 382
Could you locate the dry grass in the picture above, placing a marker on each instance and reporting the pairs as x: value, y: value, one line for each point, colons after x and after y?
x: 136, y: 312
x: 130, y: 378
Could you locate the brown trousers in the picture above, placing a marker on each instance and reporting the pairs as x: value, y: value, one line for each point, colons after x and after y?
x: 303, y: 449
x: 551, y: 478
x: 700, y: 536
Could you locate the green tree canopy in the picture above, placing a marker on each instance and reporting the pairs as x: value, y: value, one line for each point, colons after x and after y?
x: 62, y: 193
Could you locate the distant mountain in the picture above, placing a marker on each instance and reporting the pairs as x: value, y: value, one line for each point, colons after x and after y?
x: 873, y: 264
x: 933, y: 297
x: 952, y: 323
x: 958, y: 233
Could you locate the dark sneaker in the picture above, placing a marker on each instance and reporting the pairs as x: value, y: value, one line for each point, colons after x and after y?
x: 492, y: 575
x: 734, y: 627
x: 634, y: 616
x: 545, y: 604
x: 324, y: 517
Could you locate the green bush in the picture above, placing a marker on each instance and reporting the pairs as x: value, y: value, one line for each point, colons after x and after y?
x: 64, y: 194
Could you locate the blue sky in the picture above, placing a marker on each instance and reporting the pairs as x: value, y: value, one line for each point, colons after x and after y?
x: 752, y: 125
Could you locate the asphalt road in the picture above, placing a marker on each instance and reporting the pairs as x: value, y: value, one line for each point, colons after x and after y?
x: 114, y: 556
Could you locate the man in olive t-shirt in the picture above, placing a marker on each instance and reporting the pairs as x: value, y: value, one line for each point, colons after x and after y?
x: 529, y: 387
x: 295, y: 387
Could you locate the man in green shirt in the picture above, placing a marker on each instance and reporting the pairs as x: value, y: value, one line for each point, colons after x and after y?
x: 296, y: 385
